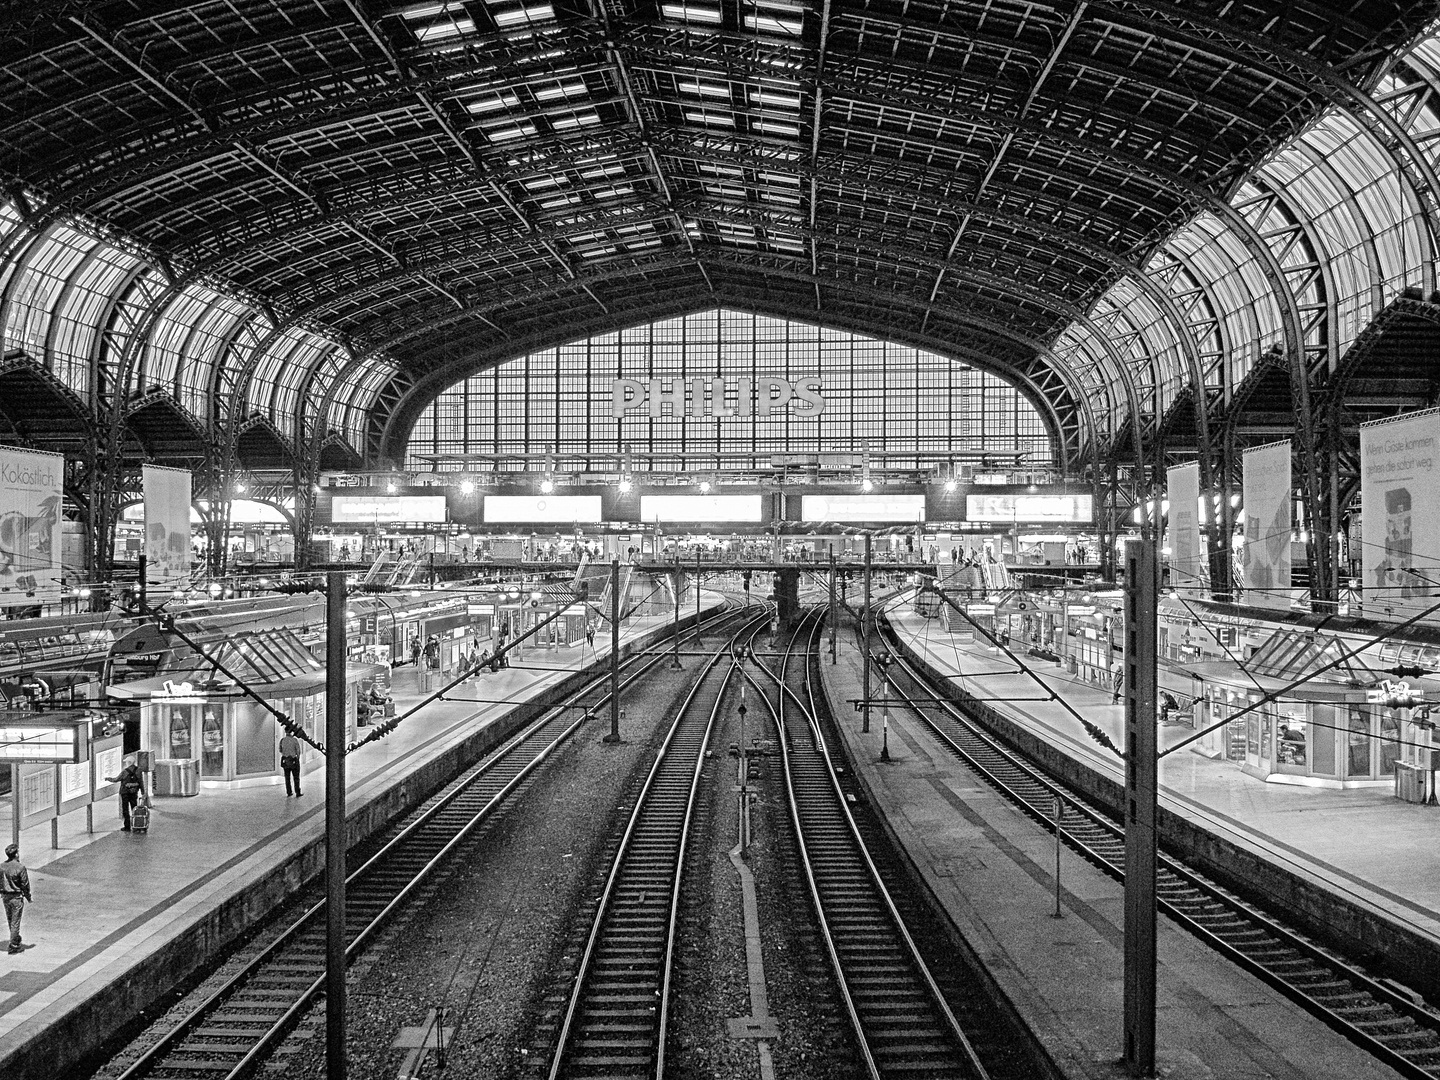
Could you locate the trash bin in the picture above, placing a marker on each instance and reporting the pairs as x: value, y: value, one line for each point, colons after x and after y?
x: 176, y: 776
x: 1409, y: 782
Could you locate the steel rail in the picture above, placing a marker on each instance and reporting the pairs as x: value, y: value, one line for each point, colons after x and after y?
x: 872, y: 1025
x: 584, y: 986
x: 1366, y: 1010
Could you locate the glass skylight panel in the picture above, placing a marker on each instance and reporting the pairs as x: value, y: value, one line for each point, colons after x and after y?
x: 692, y: 13
x: 509, y: 17
x: 710, y: 118
x: 492, y: 103
x: 574, y: 120
x: 703, y: 88
x: 516, y: 131
x: 561, y: 90
x: 775, y: 18
x: 720, y: 170
x: 775, y: 127
x: 558, y: 201
x: 441, y: 31
x: 775, y: 99
x: 614, y: 192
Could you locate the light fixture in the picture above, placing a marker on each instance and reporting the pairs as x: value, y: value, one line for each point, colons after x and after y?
x: 626, y: 486
x: 950, y: 486
x: 705, y: 487
x: 867, y: 485
x: 1031, y: 489
x: 390, y: 488
x: 239, y: 488
x: 467, y: 487
x: 547, y: 485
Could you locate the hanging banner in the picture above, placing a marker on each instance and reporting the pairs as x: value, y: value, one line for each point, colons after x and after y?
x: 31, y: 484
x: 1187, y: 556
x: 167, y: 526
x: 1266, y: 563
x: 1400, y: 528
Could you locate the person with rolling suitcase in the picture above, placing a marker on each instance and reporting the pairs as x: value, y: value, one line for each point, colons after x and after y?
x: 130, y: 788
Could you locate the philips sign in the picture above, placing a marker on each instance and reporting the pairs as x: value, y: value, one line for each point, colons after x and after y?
x: 720, y: 398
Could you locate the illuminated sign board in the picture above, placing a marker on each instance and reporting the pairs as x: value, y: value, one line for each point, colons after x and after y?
x: 862, y: 508
x: 702, y: 508
x: 1070, y: 509
x: 537, y: 509
x: 62, y: 742
x: 719, y: 398
x: 383, y: 509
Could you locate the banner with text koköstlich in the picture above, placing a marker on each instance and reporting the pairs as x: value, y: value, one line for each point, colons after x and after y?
x: 1266, y: 562
x: 167, y: 526
x: 31, y: 486
x: 1187, y: 555
x: 1400, y: 515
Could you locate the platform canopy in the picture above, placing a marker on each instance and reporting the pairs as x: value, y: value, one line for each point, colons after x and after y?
x: 321, y: 213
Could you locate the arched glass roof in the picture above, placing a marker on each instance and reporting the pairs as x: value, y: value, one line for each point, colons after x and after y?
x: 322, y: 212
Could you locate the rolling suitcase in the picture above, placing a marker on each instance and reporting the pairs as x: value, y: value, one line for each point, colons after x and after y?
x: 140, y: 819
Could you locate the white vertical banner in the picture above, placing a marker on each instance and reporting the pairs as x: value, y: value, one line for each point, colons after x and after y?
x: 1400, y: 527
x: 31, y: 498
x: 1187, y: 557
x: 1266, y: 475
x: 167, y: 526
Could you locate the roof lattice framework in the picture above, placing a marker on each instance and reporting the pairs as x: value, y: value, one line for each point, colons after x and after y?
x: 318, y: 213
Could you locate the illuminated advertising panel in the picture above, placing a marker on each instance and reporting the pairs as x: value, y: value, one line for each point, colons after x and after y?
x: 1265, y: 474
x: 1400, y: 520
x: 702, y: 508
x: 167, y: 525
x: 542, y: 509
x: 383, y: 509
x: 1001, y: 507
x: 862, y: 508
x: 30, y: 516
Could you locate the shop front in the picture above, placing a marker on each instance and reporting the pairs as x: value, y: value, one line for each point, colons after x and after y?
x: 202, y: 717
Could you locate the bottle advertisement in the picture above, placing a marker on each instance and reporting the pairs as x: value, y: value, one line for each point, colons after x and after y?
x: 1400, y: 534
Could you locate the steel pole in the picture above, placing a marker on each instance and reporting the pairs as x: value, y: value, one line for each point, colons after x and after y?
x: 1142, y: 582
x: 142, y: 592
x: 832, y: 603
x: 335, y: 732
x: 865, y: 642
x: 697, y: 596
x: 614, y: 735
x: 675, y: 637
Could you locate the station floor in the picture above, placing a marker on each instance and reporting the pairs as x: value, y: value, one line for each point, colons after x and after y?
x: 1362, y: 843
x: 993, y: 871
x: 105, y: 900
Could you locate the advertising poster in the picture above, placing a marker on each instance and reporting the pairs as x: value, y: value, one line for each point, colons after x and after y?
x: 31, y: 485
x: 1400, y: 532
x: 1187, y: 556
x: 1266, y: 476
x: 167, y: 525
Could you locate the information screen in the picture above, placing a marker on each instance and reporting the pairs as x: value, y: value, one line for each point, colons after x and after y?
x: 702, y: 508
x: 380, y: 509
x: 543, y: 509
x: 1002, y: 507
x: 862, y: 507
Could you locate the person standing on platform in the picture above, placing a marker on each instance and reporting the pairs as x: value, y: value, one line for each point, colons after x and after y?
x: 14, y: 892
x: 290, y: 762
x: 1117, y: 681
x: 415, y: 651
x: 130, y: 784
x: 590, y: 635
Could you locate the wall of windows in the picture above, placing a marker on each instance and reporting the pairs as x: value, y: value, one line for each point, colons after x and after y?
x: 877, y: 394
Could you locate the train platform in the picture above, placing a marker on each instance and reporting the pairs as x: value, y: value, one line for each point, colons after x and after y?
x: 992, y: 869
x: 117, y: 915
x: 1360, y: 844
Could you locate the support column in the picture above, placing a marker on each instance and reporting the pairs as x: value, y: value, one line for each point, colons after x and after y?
x: 833, y: 613
x: 865, y: 642
x: 1142, y: 584
x: 335, y: 733
x: 614, y: 735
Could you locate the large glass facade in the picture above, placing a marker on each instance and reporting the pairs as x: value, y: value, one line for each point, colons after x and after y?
x: 914, y: 405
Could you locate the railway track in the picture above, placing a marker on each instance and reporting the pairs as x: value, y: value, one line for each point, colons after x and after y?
x: 238, y: 1025
x: 1403, y: 1034
x: 902, y: 1022
x: 615, y: 1019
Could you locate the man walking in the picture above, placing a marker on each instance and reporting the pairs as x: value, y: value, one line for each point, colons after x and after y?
x: 130, y: 785
x: 290, y: 763
x: 14, y: 892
